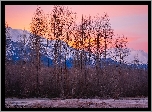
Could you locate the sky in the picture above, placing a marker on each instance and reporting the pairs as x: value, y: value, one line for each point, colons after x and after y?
x: 128, y: 20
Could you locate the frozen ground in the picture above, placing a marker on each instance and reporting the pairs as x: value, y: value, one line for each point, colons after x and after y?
x: 76, y: 103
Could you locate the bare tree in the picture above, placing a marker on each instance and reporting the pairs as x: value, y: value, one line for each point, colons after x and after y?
x: 121, y: 51
x: 76, y: 45
x: 61, y: 21
x: 38, y: 29
x: 89, y: 42
x: 107, y: 33
x: 86, y: 46
x: 98, y: 45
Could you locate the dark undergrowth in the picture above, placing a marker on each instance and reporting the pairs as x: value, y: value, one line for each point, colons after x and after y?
x: 108, y: 82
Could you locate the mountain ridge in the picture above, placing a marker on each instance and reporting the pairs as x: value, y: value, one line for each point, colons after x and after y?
x: 139, y: 54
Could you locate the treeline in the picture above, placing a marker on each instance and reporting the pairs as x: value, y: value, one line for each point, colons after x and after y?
x: 91, y: 38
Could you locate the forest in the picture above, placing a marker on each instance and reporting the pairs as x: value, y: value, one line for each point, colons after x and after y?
x: 91, y: 74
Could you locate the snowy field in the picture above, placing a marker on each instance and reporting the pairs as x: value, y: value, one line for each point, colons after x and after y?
x: 76, y: 103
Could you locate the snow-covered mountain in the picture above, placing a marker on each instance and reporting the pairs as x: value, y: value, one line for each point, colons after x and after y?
x: 139, y: 54
x: 16, y: 33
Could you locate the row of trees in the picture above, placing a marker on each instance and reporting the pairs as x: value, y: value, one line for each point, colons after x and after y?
x: 92, y: 37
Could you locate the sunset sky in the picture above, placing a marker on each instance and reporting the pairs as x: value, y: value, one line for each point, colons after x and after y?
x: 130, y: 20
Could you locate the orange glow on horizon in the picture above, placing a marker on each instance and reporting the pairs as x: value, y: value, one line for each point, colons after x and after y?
x: 130, y: 20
